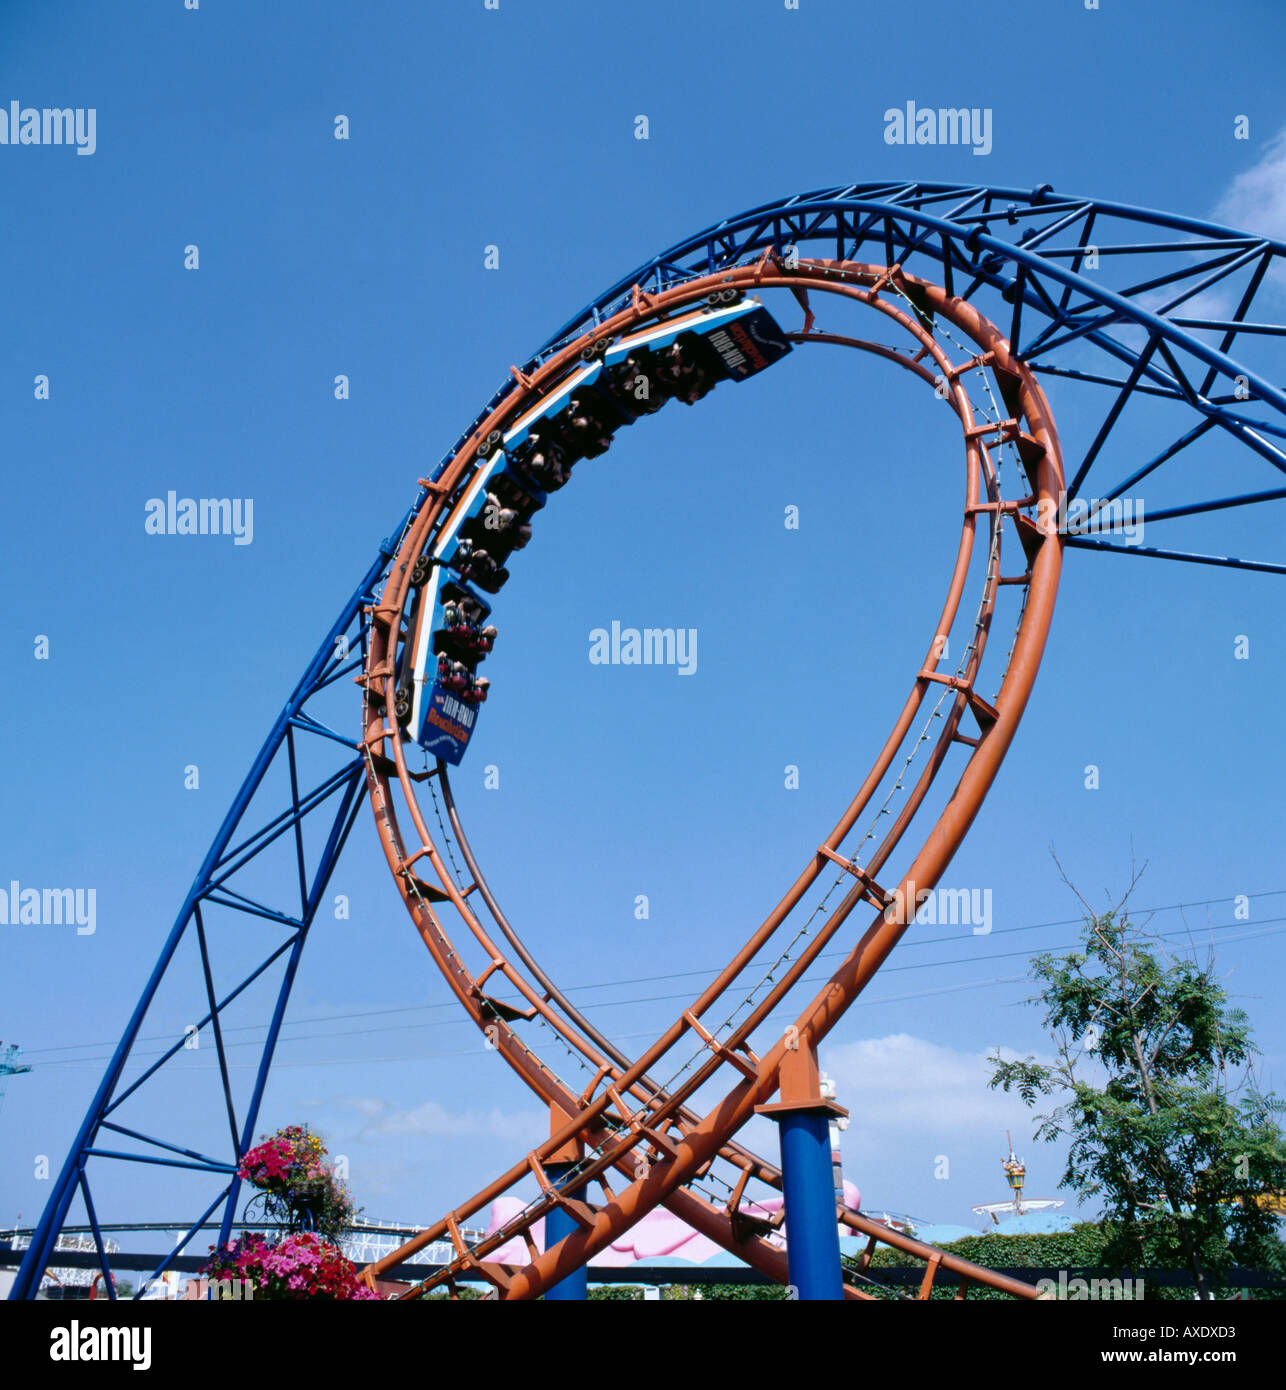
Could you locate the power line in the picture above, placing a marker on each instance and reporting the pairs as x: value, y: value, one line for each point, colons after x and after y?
x: 1274, y: 927
x: 657, y: 979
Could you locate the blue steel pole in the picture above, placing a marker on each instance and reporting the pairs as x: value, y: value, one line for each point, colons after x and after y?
x: 808, y: 1178
x: 808, y: 1185
x: 339, y: 831
x: 559, y: 1223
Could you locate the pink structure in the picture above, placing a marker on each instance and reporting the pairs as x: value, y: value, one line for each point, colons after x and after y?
x: 659, y: 1234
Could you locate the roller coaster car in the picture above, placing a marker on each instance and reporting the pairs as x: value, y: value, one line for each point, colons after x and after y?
x: 497, y: 529
x: 477, y: 565
x: 690, y: 368
x: 634, y: 384
x: 453, y: 675
x: 729, y: 336
x: 473, y: 607
x: 517, y: 492
x: 585, y: 427
x: 470, y: 649
x: 447, y: 635
x: 460, y: 626
x: 457, y: 619
x: 682, y: 355
x: 462, y: 639
x: 542, y: 460
x: 456, y: 677
x: 748, y: 342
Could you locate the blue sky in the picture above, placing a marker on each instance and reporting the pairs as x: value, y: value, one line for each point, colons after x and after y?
x: 515, y: 128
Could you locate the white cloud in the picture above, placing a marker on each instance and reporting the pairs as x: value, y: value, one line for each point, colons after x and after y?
x: 366, y: 1106
x: 906, y: 1089
x: 433, y: 1119
x: 1255, y: 201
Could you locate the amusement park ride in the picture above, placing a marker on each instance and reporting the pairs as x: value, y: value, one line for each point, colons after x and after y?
x: 1016, y: 1177
x: 989, y: 297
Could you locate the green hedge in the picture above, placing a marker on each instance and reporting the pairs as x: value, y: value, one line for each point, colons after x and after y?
x: 1078, y: 1251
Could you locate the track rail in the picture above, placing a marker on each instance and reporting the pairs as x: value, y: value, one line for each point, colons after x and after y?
x: 663, y: 1148
x: 1166, y: 323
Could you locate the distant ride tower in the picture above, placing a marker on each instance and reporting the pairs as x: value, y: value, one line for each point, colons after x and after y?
x: 1015, y: 1175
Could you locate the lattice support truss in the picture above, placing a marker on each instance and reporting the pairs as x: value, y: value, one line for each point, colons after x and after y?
x: 310, y: 824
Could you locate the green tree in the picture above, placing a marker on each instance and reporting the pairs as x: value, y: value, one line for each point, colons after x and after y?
x: 1156, y: 1094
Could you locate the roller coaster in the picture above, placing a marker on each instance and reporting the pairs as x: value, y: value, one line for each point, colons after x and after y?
x: 989, y: 298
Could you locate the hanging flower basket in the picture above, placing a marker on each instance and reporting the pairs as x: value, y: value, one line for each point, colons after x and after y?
x: 298, y: 1192
x: 297, y: 1189
x: 301, y: 1266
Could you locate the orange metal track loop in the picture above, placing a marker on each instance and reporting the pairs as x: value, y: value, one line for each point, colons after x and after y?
x: 616, y: 1139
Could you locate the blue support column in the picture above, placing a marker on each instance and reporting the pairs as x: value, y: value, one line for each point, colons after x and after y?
x: 558, y: 1223
x: 808, y: 1179
x: 808, y: 1183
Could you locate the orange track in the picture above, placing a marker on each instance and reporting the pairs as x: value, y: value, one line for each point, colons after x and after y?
x: 630, y: 1125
